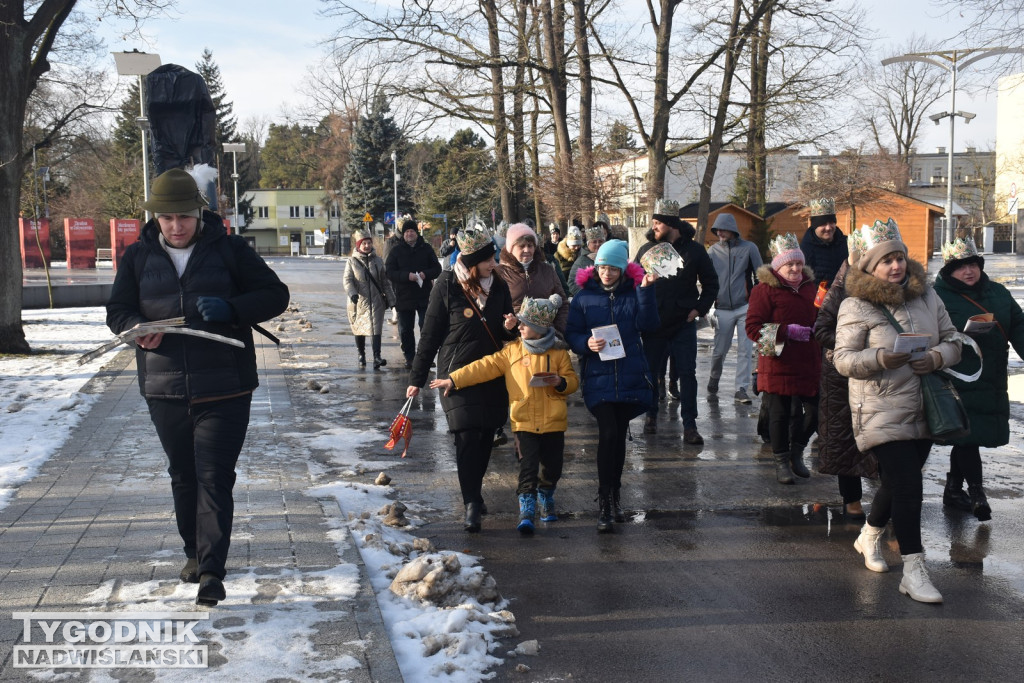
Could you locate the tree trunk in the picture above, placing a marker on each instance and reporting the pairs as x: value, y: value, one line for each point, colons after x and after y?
x: 585, y: 169
x: 553, y: 20
x: 657, y: 157
x: 501, y: 155
x: 757, y: 152
x: 519, y: 187
x: 14, y: 91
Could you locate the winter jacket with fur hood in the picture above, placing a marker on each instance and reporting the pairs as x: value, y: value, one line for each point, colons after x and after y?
x: 634, y: 310
x: 538, y: 281
x: 366, y: 316
x: 886, y: 404
x: 538, y: 410
x: 147, y: 287
x: 565, y: 256
x: 784, y: 366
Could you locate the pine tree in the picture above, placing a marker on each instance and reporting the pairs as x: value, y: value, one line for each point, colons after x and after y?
x: 289, y: 159
x: 463, y: 180
x: 122, y: 175
x: 369, y: 176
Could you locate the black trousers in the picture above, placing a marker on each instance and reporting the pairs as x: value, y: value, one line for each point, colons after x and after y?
x: 407, y: 328
x: 965, y: 463
x: 612, y: 427
x: 540, y: 465
x: 472, y: 455
x: 202, y: 442
x: 850, y: 488
x: 901, y: 490
x: 791, y: 420
x: 374, y: 345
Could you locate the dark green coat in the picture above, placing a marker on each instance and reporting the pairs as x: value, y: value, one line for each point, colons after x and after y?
x: 986, y: 399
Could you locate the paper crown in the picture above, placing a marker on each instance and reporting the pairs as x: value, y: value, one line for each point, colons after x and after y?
x: 358, y: 236
x: 870, y: 236
x: 783, y: 243
x: 540, y: 313
x: 553, y: 228
x: 960, y: 248
x: 473, y: 239
x: 823, y: 206
x: 575, y: 236
x: 603, y: 218
x: 666, y: 207
x: 596, y: 232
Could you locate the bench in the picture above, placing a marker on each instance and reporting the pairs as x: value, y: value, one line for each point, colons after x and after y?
x: 104, y: 254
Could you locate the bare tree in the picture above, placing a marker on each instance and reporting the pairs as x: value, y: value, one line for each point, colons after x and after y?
x: 901, y: 93
x: 989, y: 22
x: 29, y: 40
x: 853, y: 178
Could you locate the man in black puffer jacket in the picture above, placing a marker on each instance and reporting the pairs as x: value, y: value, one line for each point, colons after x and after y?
x: 824, y: 244
x: 412, y: 266
x: 198, y: 391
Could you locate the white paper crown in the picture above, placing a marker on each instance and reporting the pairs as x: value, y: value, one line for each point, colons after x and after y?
x: 960, y: 248
x: 870, y: 236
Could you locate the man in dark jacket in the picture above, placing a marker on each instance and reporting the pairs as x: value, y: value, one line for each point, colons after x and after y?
x: 412, y: 266
x: 198, y: 390
x: 824, y: 244
x: 680, y: 303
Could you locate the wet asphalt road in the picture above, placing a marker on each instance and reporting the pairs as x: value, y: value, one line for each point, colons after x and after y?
x: 721, y: 573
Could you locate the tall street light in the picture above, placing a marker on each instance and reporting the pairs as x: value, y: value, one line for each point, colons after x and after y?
x: 394, y: 164
x: 139, y: 64
x: 953, y: 61
x: 235, y: 148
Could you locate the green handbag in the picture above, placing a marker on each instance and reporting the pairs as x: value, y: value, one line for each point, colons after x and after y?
x: 943, y: 407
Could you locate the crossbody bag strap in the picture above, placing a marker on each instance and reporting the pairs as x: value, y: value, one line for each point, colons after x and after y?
x: 370, y: 275
x: 985, y: 310
x: 964, y: 339
x: 483, y: 320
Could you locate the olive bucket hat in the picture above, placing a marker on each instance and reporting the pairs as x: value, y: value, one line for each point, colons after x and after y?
x: 175, y: 192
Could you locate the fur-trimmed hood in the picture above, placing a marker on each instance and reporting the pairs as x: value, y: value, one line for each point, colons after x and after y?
x: 768, y: 276
x: 868, y: 287
x: 633, y: 270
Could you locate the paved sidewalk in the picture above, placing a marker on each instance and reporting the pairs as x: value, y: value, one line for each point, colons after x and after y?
x: 94, y: 531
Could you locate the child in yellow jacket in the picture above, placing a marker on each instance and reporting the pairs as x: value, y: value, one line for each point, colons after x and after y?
x: 538, y: 374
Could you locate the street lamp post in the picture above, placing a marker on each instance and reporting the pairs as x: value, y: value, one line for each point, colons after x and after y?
x: 953, y: 61
x: 394, y: 164
x: 235, y: 148
x: 139, y: 64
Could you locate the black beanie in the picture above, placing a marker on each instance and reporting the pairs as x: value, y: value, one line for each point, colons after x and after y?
x: 480, y: 255
x: 410, y: 224
x: 947, y: 269
x: 817, y: 221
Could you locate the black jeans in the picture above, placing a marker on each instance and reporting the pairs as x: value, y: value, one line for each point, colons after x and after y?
x: 374, y: 345
x: 850, y: 488
x: 472, y: 455
x: 406, y: 328
x: 612, y: 427
x: 681, y: 347
x: 202, y: 442
x: 901, y: 490
x: 965, y: 462
x: 791, y: 420
x: 541, y: 463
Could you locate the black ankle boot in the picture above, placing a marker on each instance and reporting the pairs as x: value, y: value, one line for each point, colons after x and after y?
x: 378, y: 362
x: 979, y: 503
x: 362, y: 360
x: 783, y: 472
x: 604, y: 518
x: 617, y: 513
x: 472, y: 524
x: 953, y: 495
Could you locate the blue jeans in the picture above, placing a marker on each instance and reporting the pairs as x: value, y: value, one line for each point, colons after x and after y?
x: 682, y: 347
x: 406, y: 329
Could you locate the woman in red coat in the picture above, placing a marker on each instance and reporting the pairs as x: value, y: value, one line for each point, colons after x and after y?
x: 780, y: 321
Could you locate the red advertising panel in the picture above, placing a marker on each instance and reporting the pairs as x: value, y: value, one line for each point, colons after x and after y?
x: 80, y: 238
x: 30, y: 257
x: 227, y: 225
x: 123, y: 231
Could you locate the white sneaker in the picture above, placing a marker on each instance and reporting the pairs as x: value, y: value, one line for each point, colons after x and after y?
x: 869, y: 544
x: 915, y: 581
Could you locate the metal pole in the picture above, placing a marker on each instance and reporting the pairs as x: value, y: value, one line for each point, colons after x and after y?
x: 145, y: 153
x: 234, y: 176
x: 948, y: 236
x: 394, y: 163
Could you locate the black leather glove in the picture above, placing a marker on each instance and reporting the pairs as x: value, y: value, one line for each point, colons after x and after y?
x: 354, y: 299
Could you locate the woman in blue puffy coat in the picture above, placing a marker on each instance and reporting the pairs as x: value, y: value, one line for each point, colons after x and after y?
x: 613, y: 292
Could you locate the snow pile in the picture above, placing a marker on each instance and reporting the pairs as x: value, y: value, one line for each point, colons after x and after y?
x: 40, y: 399
x: 443, y: 611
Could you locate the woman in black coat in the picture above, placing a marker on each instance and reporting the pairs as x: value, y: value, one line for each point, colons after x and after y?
x: 198, y: 391
x: 469, y: 316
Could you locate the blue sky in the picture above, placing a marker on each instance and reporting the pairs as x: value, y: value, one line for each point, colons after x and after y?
x: 264, y: 60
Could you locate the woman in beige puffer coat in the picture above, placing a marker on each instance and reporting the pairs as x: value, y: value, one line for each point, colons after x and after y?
x: 885, y: 390
x: 370, y: 294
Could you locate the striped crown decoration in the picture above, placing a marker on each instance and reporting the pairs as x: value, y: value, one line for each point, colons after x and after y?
x: 823, y: 206
x: 870, y: 236
x: 783, y: 243
x: 960, y: 248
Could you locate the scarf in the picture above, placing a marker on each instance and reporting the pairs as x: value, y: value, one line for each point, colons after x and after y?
x: 538, y: 346
x: 794, y: 283
x: 462, y: 273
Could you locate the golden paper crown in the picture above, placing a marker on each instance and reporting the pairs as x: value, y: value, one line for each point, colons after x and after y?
x: 666, y: 207
x: 472, y: 239
x: 823, y: 206
x: 870, y: 236
x: 783, y: 243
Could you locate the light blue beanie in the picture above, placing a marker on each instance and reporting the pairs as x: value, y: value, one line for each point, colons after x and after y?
x: 613, y: 253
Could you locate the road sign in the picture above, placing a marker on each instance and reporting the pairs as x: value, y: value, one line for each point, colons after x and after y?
x: 367, y: 218
x: 389, y: 218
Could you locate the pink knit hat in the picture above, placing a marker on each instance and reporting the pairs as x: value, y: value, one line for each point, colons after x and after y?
x: 517, y: 231
x: 784, y: 249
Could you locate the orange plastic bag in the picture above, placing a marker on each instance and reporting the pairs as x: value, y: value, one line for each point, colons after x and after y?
x: 401, y: 428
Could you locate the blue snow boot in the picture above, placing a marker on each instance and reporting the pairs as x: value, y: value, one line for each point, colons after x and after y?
x: 527, y: 510
x: 547, y: 504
